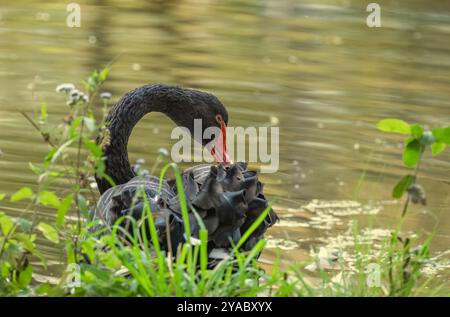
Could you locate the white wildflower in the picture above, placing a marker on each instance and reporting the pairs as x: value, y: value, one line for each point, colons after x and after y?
x: 66, y: 88
x: 105, y: 95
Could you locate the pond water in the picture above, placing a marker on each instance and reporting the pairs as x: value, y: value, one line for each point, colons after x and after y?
x: 313, y: 68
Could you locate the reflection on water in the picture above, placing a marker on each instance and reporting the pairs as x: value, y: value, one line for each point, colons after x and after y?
x: 312, y: 68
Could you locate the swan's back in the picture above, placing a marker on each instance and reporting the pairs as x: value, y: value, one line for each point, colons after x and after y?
x: 116, y: 200
x: 228, y: 199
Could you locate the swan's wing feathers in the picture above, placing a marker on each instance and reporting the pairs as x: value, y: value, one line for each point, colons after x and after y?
x: 229, y: 201
x: 199, y: 172
x: 226, y: 199
x: 123, y: 199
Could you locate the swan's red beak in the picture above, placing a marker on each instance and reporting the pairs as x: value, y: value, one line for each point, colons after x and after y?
x: 219, y: 148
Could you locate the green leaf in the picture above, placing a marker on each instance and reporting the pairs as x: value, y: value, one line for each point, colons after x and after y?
x: 63, y: 209
x: 26, y: 240
x: 104, y: 73
x: 43, y: 288
x: 407, y: 140
x: 412, y: 152
x: 25, y: 276
x: 253, y: 226
x: 49, y: 156
x: 402, y: 186
x: 2, y: 196
x: 44, y: 114
x: 5, y: 269
x: 442, y: 135
x: 73, y: 128
x: 47, y: 198
x: 82, y: 204
x: 21, y: 194
x: 416, y: 131
x: 88, y: 248
x: 6, y: 223
x: 394, y: 126
x: 437, y: 147
x: 49, y: 232
x: 95, y: 150
x: 70, y: 253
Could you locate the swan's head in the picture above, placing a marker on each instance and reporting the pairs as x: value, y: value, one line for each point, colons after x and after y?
x: 214, y: 120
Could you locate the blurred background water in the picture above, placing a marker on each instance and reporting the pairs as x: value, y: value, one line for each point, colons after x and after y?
x: 313, y: 68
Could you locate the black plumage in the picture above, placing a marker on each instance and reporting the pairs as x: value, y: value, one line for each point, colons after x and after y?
x: 227, y: 199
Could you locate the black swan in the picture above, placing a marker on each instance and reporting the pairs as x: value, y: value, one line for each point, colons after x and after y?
x: 227, y: 197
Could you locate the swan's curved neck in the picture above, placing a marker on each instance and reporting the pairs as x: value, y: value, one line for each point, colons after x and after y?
x: 123, y: 117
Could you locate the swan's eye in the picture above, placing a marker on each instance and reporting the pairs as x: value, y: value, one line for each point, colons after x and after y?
x: 219, y: 118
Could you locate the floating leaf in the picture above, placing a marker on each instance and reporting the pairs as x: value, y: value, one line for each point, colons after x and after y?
x: 21, y: 194
x: 412, y: 152
x: 402, y: 186
x: 47, y: 198
x: 437, y: 147
x: 63, y: 209
x: 49, y: 232
x: 394, y: 126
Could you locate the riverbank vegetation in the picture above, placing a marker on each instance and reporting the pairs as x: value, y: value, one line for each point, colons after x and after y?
x: 109, y: 265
